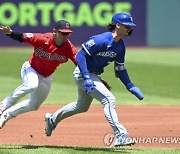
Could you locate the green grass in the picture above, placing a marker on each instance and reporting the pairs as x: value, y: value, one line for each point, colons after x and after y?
x: 154, y: 70
x: 37, y: 149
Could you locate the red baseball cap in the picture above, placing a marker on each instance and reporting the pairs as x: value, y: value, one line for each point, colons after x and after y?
x: 63, y: 26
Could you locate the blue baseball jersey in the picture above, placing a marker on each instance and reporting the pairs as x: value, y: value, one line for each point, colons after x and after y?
x: 102, y: 50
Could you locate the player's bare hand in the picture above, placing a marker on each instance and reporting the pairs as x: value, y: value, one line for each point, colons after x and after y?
x: 6, y: 29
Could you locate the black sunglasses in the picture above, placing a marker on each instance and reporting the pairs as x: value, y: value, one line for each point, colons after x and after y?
x: 127, y: 27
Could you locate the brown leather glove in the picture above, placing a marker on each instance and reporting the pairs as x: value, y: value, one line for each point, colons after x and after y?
x: 106, y: 84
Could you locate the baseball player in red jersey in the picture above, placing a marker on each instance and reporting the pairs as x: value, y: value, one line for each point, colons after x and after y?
x: 50, y: 50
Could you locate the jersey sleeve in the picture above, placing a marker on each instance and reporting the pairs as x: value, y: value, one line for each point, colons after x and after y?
x: 72, y: 53
x: 31, y: 38
x: 120, y: 59
x: 93, y: 45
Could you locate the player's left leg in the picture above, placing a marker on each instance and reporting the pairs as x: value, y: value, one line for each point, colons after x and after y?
x: 30, y: 83
x: 103, y: 95
x: 36, y: 98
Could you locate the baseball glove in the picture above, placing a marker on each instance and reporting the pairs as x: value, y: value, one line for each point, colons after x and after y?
x: 106, y: 84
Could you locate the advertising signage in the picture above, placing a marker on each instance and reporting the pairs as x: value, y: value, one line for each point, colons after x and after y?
x: 86, y: 17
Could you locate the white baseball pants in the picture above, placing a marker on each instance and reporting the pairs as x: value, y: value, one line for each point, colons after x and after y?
x: 33, y: 83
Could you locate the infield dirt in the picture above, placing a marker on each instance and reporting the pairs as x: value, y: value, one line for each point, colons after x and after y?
x: 152, y: 126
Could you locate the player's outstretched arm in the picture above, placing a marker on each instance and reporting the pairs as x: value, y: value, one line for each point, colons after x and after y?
x: 12, y: 34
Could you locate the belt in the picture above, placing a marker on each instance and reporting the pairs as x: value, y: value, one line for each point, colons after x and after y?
x: 97, y: 73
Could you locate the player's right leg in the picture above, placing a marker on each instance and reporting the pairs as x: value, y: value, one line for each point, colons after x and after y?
x: 82, y: 105
x: 2, y: 107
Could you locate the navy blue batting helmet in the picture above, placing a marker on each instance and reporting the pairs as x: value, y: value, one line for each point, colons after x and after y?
x: 123, y: 18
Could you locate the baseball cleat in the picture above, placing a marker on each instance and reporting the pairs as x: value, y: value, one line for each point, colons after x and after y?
x: 123, y: 140
x: 49, y: 124
x: 3, y: 120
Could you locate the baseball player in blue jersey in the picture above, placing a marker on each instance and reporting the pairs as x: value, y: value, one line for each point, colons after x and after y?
x: 98, y: 52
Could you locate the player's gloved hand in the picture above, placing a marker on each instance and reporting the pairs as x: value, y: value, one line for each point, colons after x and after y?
x: 88, y: 83
x: 135, y: 91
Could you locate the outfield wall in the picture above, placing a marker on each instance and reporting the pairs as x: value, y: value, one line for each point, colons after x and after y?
x: 163, y: 23
x: 157, y: 20
x: 86, y: 17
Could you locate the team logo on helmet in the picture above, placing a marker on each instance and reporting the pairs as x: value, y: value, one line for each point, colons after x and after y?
x: 67, y: 25
x: 131, y: 19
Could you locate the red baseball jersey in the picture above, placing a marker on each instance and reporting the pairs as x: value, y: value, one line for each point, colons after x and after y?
x: 47, y: 56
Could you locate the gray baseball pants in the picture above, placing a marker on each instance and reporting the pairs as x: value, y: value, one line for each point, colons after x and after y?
x: 100, y: 93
